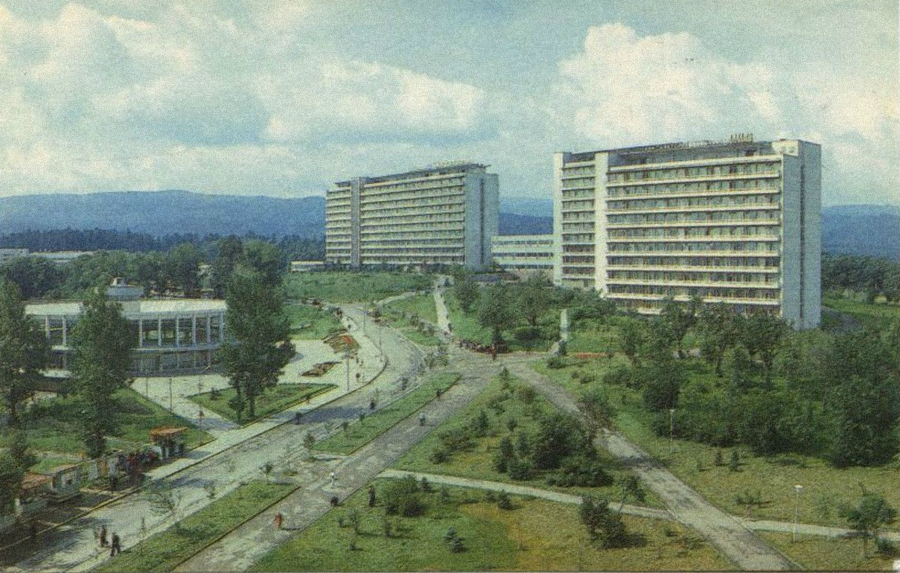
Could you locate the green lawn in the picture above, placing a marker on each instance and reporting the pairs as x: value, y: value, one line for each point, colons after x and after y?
x: 361, y: 433
x: 310, y: 323
x: 53, y: 424
x: 825, y: 488
x: 493, y: 539
x: 348, y: 286
x: 165, y: 550
x: 478, y: 461
x: 271, y: 401
x: 877, y: 315
x: 824, y: 554
x: 421, y: 308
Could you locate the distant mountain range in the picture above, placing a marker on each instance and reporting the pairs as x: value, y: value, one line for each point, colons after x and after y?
x: 847, y: 229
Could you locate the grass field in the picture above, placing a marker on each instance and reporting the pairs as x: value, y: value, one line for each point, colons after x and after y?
x: 823, y: 554
x: 878, y: 315
x: 165, y: 550
x: 347, y: 286
x: 361, y: 433
x: 825, y: 488
x: 421, y: 307
x: 477, y: 462
x: 271, y: 401
x: 53, y: 424
x: 493, y: 539
x: 310, y: 323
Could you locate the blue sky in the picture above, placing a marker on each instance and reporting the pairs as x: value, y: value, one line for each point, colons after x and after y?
x: 282, y: 97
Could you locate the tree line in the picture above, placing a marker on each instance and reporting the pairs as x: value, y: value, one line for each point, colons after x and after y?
x: 870, y: 276
x: 179, y: 270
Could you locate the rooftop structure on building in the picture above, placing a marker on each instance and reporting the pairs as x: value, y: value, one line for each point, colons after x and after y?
x: 736, y: 222
x: 443, y: 215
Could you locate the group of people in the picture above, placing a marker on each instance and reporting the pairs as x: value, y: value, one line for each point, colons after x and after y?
x: 115, y: 543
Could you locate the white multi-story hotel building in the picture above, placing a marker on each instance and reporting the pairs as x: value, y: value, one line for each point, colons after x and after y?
x: 737, y: 222
x: 524, y: 254
x: 444, y: 215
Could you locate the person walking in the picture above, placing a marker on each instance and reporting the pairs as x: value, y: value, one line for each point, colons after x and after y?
x: 103, y: 541
x: 279, y: 520
x: 116, y: 545
x: 422, y: 419
x: 371, y: 496
x: 333, y: 478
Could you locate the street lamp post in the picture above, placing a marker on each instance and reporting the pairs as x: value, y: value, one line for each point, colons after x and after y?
x: 347, y: 358
x: 798, y: 489
x: 171, y: 408
x: 671, y: 430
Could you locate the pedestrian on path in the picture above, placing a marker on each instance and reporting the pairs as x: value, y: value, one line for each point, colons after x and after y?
x: 279, y: 520
x: 103, y: 541
x: 333, y: 478
x: 116, y: 545
x: 422, y: 419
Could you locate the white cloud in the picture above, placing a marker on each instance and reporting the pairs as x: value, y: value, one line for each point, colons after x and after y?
x: 625, y: 89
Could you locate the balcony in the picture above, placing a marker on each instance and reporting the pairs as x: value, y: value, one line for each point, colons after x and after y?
x: 697, y: 179
x: 689, y: 194
x: 724, y: 223
x: 703, y: 284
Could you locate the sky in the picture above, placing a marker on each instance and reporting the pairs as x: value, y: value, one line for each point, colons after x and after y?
x: 281, y: 98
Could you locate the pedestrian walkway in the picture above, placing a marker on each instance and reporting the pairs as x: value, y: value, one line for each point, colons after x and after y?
x: 516, y: 489
x: 443, y: 315
x: 740, y: 545
x: 246, y: 545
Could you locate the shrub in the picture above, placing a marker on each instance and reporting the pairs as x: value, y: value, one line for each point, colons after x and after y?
x: 425, y: 485
x: 480, y: 423
x: 622, y: 376
x: 354, y: 518
x: 387, y: 526
x: 456, y: 545
x: 603, y: 525
x: 523, y: 445
x: 719, y: 459
x: 444, y: 495
x: 581, y: 471
x: 555, y: 363
x: 456, y: 439
x: 402, y: 497
x: 885, y: 547
x: 503, y: 501
x: 512, y: 423
x: 439, y: 456
x: 735, y: 461
x: 526, y: 394
x: 450, y: 535
x: 519, y: 469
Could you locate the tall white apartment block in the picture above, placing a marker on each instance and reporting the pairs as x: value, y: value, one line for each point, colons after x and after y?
x: 736, y: 222
x: 444, y: 215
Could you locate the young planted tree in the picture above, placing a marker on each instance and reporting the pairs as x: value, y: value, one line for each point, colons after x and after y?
x: 603, y: 525
x: 870, y: 515
x: 762, y: 335
x: 24, y: 352
x: 595, y: 410
x: 533, y: 299
x: 259, y: 344
x: 101, y: 357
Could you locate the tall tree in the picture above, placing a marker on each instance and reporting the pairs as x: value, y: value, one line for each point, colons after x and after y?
x: 633, y: 340
x: 762, y: 335
x: 36, y: 277
x: 533, y: 299
x: 680, y: 318
x: 719, y: 328
x: 496, y: 312
x: 24, y: 351
x: 259, y: 344
x: 101, y: 357
x: 231, y: 252
x: 11, y: 475
x: 266, y: 260
x: 183, y: 267
x: 466, y: 291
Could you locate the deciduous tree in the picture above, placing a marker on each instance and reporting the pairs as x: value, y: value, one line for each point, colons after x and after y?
x: 24, y: 351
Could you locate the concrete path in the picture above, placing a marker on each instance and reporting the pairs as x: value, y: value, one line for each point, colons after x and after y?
x: 564, y: 325
x: 722, y: 530
x: 443, y: 315
x: 246, y: 545
x: 516, y: 489
x: 226, y: 462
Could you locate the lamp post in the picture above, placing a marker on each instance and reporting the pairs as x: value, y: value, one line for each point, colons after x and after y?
x: 171, y: 408
x: 347, y: 362
x: 798, y: 489
x: 671, y: 430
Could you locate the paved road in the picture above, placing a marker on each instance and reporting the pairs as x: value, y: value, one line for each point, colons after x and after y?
x: 730, y: 536
x: 72, y: 547
x: 246, y: 545
x: 443, y: 315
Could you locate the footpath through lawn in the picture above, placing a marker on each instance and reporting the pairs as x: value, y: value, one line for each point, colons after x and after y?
x: 490, y: 538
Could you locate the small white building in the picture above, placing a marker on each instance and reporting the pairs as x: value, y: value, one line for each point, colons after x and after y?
x: 306, y: 266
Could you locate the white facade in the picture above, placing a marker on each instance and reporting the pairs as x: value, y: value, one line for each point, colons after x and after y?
x: 524, y: 254
x: 436, y: 216
x: 7, y: 255
x: 169, y: 335
x: 737, y: 222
